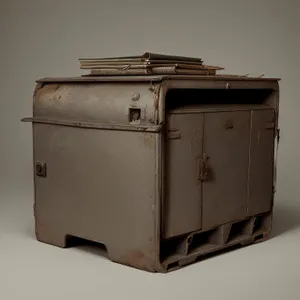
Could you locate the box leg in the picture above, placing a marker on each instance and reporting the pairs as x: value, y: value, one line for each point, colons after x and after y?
x: 50, y: 236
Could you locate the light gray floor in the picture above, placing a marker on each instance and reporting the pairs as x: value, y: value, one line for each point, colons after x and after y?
x: 33, y: 270
x: 45, y: 38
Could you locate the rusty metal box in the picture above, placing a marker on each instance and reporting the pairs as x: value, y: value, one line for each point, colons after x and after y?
x: 161, y: 169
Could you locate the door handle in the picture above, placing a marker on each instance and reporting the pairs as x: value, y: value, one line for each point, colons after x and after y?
x: 203, y: 168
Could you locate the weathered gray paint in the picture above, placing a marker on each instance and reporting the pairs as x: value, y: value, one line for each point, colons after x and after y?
x: 98, y: 193
x: 107, y: 179
x: 183, y: 209
x: 261, y: 161
x: 225, y: 191
x: 90, y: 102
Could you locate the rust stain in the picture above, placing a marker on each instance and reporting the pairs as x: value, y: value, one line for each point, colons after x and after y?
x: 156, y: 101
x: 155, y: 92
x: 56, y: 88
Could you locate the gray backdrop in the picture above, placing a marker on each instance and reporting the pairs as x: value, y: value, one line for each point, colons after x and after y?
x: 45, y: 38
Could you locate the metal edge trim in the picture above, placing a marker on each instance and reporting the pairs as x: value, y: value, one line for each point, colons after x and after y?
x: 145, y: 78
x: 95, y: 79
x: 93, y: 125
x: 227, y: 77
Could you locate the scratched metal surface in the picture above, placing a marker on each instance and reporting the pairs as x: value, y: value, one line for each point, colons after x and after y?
x: 104, y: 103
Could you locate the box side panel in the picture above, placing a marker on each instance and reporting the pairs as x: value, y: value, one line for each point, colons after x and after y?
x: 100, y: 185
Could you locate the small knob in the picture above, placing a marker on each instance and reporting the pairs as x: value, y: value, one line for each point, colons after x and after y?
x: 136, y: 97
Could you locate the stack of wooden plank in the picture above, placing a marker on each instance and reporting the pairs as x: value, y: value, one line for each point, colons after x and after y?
x: 147, y: 64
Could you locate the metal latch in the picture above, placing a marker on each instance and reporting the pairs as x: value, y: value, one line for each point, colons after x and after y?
x: 174, y: 134
x: 41, y: 169
x: 204, y: 170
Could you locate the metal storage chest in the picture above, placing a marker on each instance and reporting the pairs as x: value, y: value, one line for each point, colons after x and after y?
x: 161, y: 169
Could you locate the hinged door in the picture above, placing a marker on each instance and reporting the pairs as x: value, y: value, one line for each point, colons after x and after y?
x: 226, y: 145
x: 183, y: 183
x: 261, y: 161
x: 219, y: 168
